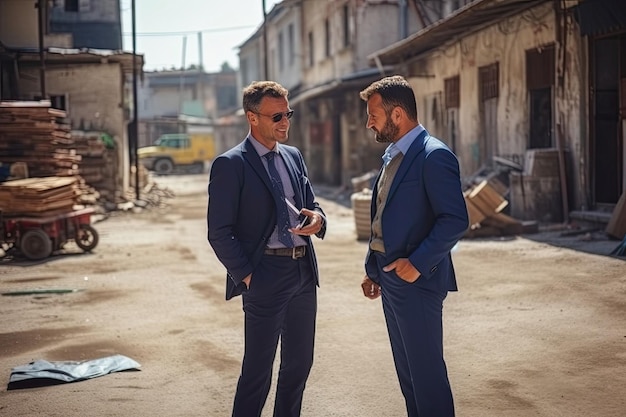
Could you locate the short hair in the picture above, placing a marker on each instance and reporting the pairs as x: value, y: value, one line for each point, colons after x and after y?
x: 395, y: 91
x: 257, y: 90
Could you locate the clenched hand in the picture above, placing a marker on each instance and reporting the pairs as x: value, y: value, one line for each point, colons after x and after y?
x: 370, y: 289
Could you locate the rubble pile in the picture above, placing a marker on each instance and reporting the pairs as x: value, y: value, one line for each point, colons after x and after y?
x: 485, y: 207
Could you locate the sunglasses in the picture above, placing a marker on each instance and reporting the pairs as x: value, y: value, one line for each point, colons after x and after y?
x: 278, y: 116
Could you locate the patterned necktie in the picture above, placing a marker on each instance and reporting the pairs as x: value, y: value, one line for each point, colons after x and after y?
x: 282, y: 223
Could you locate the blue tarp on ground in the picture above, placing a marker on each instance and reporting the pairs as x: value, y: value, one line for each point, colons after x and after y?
x: 42, y: 372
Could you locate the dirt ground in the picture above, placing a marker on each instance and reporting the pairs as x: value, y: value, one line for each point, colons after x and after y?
x: 537, y: 329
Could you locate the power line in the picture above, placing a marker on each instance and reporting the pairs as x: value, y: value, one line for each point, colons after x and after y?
x: 191, y: 32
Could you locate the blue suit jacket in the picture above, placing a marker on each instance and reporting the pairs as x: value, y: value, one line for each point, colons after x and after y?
x: 425, y: 214
x: 242, y: 213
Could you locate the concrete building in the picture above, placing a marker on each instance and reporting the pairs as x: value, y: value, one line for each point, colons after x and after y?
x: 90, y: 84
x: 165, y: 96
x: 87, y: 23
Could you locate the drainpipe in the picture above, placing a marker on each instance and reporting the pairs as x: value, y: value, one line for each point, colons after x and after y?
x: 379, y: 65
x: 561, y: 40
x: 403, y: 19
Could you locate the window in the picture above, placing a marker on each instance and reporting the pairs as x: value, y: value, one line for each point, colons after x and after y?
x: 452, y: 91
x: 540, y: 78
x: 311, y: 51
x: 488, y: 81
x: 540, y: 67
x: 243, y: 71
x: 292, y: 44
x: 281, y: 51
x: 71, y: 5
x: 327, y: 38
x: 346, y: 25
x: 59, y: 102
x: 84, y: 6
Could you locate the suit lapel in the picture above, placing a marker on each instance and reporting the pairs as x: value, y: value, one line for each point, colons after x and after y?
x: 415, y: 149
x: 250, y: 154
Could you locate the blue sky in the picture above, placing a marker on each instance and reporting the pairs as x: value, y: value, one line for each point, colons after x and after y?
x: 163, y: 25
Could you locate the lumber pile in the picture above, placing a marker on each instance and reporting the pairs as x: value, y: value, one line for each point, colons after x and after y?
x: 35, y: 133
x: 485, y: 206
x: 93, y: 155
x: 37, y: 136
x: 39, y: 197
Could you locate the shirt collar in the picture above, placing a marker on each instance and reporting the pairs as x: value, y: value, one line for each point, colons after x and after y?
x: 260, y: 149
x: 403, y: 144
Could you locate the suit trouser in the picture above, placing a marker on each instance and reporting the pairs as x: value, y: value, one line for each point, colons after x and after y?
x: 414, y: 321
x: 281, y: 303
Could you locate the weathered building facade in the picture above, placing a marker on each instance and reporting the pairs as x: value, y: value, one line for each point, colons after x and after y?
x: 319, y: 50
x: 337, y: 38
x: 518, y: 80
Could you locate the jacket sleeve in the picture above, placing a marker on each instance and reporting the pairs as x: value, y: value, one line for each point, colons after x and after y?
x: 443, y: 189
x: 309, y: 198
x: 226, y: 179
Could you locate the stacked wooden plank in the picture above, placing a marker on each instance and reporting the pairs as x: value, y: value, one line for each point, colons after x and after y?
x: 38, y: 196
x: 485, y: 206
x: 92, y: 154
x: 35, y: 133
x: 99, y: 162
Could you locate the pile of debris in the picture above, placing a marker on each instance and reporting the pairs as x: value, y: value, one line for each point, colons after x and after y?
x: 486, y: 205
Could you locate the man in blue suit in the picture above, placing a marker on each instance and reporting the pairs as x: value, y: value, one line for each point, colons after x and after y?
x: 418, y: 214
x: 267, y: 250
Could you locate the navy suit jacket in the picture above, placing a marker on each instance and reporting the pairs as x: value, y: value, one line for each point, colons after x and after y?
x: 242, y: 212
x: 425, y: 214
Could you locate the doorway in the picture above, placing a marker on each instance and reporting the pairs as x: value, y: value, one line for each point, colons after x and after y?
x: 607, y: 138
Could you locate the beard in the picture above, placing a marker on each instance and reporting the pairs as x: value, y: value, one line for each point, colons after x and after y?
x: 388, y: 133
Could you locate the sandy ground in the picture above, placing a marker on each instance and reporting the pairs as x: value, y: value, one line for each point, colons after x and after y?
x: 535, y: 330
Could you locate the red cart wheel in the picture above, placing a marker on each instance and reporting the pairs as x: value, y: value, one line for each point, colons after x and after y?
x: 35, y: 244
x: 87, y: 238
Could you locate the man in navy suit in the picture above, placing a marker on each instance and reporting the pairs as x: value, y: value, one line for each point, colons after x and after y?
x: 267, y: 250
x: 418, y: 214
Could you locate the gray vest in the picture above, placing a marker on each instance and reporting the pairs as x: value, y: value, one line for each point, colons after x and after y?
x: 384, y: 184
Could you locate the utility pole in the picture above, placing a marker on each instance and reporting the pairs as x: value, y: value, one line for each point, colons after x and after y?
x: 134, y: 139
x: 265, y: 65
x: 41, y: 7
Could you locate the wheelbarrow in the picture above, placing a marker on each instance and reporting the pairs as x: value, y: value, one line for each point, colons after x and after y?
x: 38, y: 237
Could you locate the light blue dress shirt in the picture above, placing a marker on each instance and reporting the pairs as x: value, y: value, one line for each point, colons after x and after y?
x: 402, y: 145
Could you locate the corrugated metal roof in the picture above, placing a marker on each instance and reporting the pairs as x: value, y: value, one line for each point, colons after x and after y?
x: 601, y: 17
x: 473, y: 16
x: 75, y: 56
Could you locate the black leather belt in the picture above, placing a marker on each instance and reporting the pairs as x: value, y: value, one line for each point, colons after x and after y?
x: 295, y: 253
